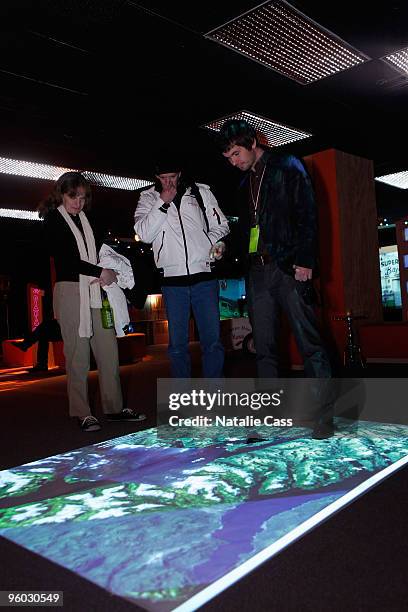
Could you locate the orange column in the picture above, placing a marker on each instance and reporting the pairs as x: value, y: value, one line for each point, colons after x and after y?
x: 348, y: 235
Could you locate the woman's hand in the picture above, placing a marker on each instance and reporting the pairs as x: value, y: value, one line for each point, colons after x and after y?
x: 106, y: 278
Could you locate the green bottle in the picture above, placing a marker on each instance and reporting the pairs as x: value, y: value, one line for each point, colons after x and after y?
x: 106, y: 313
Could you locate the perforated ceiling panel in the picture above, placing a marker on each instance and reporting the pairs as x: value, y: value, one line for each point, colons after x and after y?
x: 282, y: 38
x: 271, y: 133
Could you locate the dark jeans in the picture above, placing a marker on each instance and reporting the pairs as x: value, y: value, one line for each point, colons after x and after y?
x: 269, y: 290
x: 202, y: 298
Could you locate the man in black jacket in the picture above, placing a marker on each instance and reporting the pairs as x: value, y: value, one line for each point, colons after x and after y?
x: 278, y: 239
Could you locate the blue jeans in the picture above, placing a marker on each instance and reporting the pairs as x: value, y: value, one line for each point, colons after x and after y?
x: 202, y: 298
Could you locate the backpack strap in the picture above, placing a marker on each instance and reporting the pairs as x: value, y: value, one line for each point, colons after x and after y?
x: 195, y: 191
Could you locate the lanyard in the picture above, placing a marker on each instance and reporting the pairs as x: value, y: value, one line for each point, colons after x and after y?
x: 255, y: 201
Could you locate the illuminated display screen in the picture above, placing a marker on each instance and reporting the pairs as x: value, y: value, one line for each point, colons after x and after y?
x: 232, y: 295
x: 390, y: 277
x: 170, y: 525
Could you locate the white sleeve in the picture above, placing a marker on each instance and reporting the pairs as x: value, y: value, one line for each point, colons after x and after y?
x: 216, y: 218
x: 149, y: 216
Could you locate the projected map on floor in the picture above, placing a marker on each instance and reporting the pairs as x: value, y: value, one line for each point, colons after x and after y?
x: 168, y: 523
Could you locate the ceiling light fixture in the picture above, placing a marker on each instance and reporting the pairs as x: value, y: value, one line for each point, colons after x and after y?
x: 282, y: 38
x: 275, y: 134
x: 14, y: 213
x: 52, y: 173
x: 398, y: 60
x: 397, y: 179
x: 115, y: 182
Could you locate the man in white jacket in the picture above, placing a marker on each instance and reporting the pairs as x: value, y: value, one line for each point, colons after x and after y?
x: 184, y: 224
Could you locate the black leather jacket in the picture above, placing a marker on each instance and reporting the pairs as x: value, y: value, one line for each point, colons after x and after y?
x: 287, y: 213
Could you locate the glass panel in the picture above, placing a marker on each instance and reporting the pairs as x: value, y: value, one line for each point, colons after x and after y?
x: 390, y: 276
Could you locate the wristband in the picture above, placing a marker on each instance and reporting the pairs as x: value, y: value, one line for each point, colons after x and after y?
x: 164, y: 207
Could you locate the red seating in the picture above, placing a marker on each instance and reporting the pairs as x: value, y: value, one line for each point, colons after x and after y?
x: 384, y: 341
x: 15, y: 358
x: 131, y: 348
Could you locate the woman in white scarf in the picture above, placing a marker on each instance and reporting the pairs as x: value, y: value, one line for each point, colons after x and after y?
x: 77, y: 301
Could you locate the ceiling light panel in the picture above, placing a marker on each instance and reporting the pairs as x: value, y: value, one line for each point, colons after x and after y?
x: 282, y: 38
x: 115, y: 182
x: 398, y: 60
x: 13, y: 213
x: 398, y: 179
x: 52, y: 173
x: 276, y: 134
x: 31, y: 169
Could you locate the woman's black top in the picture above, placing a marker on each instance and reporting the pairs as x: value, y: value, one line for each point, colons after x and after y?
x: 62, y: 246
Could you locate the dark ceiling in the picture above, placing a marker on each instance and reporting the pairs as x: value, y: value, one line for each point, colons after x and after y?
x: 104, y: 84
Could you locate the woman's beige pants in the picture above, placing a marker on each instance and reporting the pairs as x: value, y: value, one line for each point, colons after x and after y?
x: 77, y: 353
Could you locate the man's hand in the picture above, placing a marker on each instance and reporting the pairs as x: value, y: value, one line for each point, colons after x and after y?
x: 107, y: 277
x: 168, y: 195
x: 217, y: 250
x: 302, y: 274
x: 169, y: 189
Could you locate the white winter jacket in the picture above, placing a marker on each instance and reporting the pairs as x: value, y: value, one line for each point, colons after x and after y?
x: 180, y: 240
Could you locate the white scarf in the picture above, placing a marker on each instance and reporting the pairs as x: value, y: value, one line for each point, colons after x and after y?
x: 89, y: 295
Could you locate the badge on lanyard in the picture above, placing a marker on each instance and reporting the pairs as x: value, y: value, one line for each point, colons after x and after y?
x: 254, y: 239
x: 254, y: 233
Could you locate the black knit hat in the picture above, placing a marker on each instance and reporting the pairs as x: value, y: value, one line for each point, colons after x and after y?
x: 168, y: 162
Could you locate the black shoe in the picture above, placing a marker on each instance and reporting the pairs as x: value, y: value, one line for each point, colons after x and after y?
x: 177, y: 444
x: 322, y: 431
x: 89, y: 423
x: 22, y: 345
x: 38, y: 367
x: 254, y: 439
x: 127, y: 414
